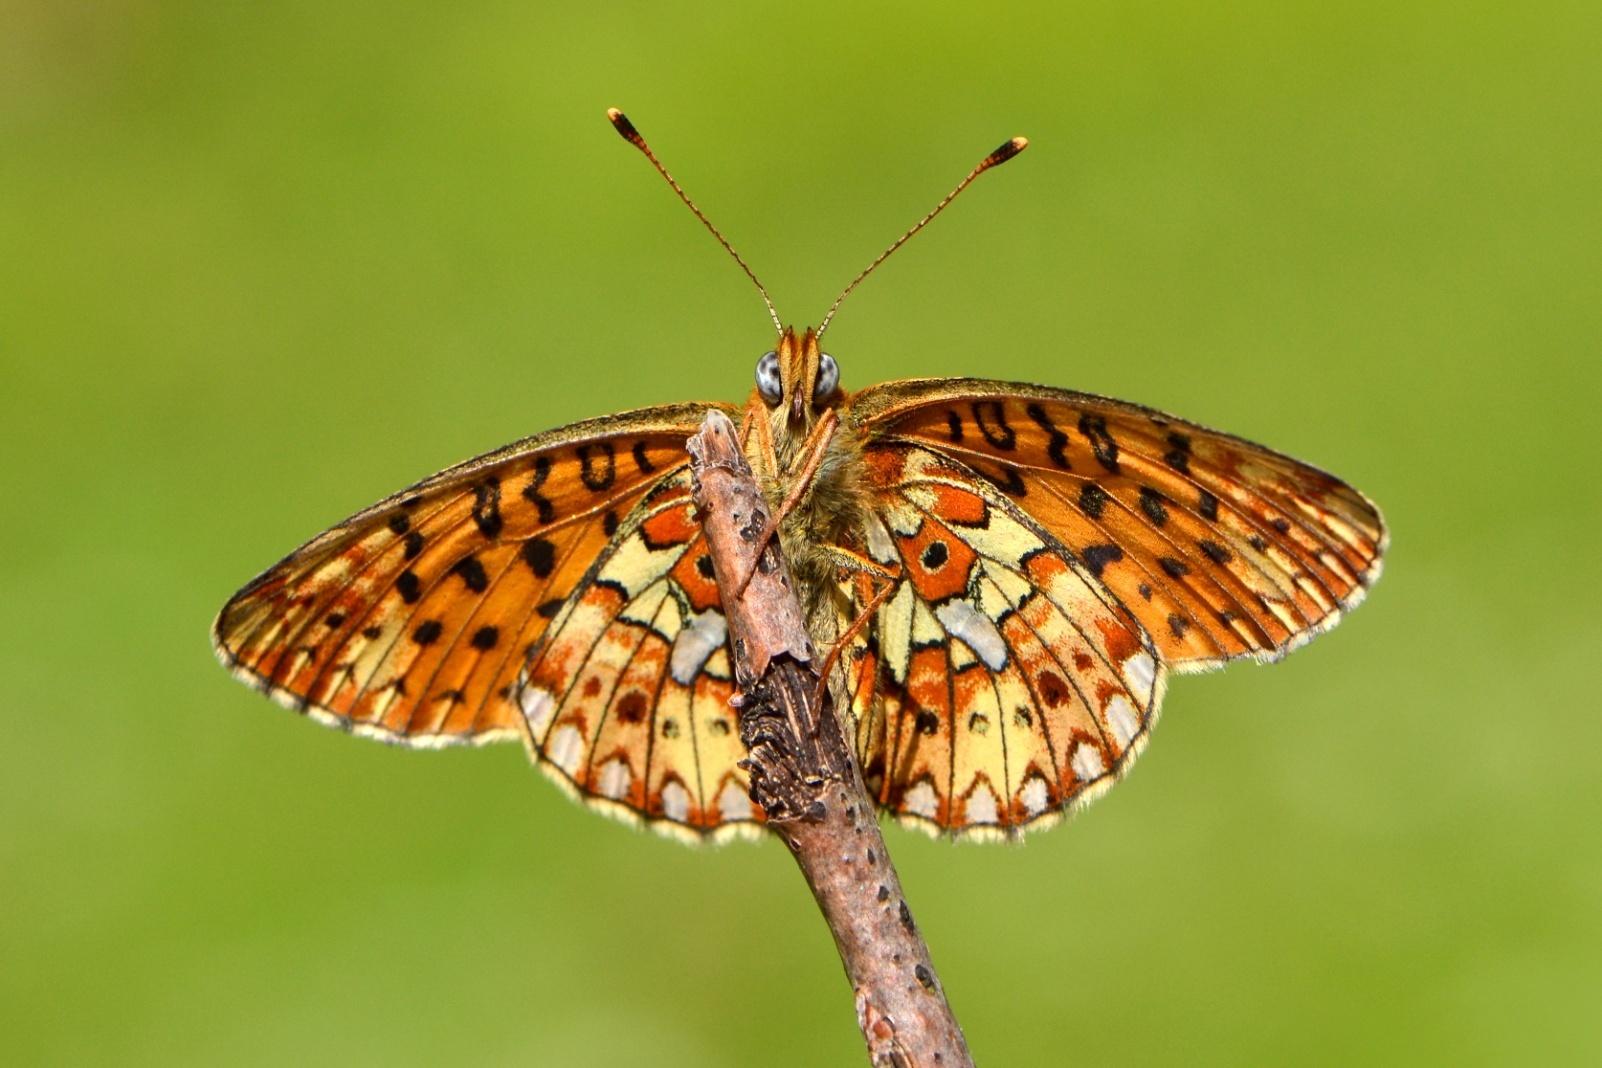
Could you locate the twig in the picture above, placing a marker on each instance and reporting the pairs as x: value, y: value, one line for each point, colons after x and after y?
x: 804, y: 777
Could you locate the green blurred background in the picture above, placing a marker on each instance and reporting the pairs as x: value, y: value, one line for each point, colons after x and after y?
x: 262, y: 264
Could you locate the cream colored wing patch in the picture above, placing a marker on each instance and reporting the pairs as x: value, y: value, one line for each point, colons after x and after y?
x: 626, y: 702
x: 1000, y: 682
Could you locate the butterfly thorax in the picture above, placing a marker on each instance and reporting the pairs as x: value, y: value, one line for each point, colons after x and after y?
x: 830, y: 514
x: 831, y: 507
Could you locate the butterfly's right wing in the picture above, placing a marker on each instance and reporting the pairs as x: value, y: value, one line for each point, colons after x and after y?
x: 1222, y: 548
x: 412, y: 620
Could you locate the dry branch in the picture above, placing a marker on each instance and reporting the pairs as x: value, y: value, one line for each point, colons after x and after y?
x: 805, y: 778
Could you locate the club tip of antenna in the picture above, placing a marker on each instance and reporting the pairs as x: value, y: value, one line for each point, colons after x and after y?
x: 1006, y: 152
x: 623, y: 126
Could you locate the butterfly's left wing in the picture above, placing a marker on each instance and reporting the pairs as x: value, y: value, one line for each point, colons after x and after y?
x: 1221, y: 548
x: 1000, y: 683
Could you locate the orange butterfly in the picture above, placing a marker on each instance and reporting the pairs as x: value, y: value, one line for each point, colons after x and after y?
x: 1006, y: 572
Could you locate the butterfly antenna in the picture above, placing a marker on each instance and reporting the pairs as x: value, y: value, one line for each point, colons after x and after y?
x: 995, y: 159
x: 632, y: 136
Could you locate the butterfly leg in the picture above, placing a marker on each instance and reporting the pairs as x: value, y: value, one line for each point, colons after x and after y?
x: 851, y: 561
x: 811, y: 455
x: 812, y: 450
x: 746, y: 424
x: 765, y: 457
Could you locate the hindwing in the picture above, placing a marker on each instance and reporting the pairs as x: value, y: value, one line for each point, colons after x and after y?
x: 626, y: 701
x: 1000, y: 682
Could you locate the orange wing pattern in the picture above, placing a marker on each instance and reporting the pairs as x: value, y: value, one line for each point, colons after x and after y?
x: 1055, y: 554
x: 1001, y: 682
x: 1220, y: 547
x: 627, y: 699
x: 411, y: 620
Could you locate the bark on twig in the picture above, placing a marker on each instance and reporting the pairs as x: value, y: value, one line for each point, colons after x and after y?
x: 804, y: 777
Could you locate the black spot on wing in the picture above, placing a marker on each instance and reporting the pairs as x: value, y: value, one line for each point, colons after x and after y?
x: 1154, y: 504
x: 992, y: 421
x: 531, y: 492
x: 1094, y: 427
x: 409, y: 586
x: 540, y: 556
x: 642, y: 461
x: 1178, y: 454
x: 1007, y: 479
x: 471, y: 572
x: 1097, y: 557
x: 487, y: 507
x: 1092, y: 500
x: 1057, y: 441
x: 597, y: 465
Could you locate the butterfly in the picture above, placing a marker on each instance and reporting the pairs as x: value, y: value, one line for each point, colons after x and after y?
x: 1006, y: 573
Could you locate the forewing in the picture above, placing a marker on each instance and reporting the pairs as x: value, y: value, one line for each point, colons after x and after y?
x: 1000, y: 682
x: 627, y: 700
x: 1222, y: 548
x: 411, y: 620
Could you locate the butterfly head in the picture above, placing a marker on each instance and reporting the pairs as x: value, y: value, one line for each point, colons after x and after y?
x: 798, y: 381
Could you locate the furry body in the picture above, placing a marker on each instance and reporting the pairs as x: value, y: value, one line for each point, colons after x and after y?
x: 830, y: 512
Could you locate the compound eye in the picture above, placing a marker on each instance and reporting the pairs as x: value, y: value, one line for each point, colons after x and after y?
x: 767, y: 378
x: 828, y: 377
